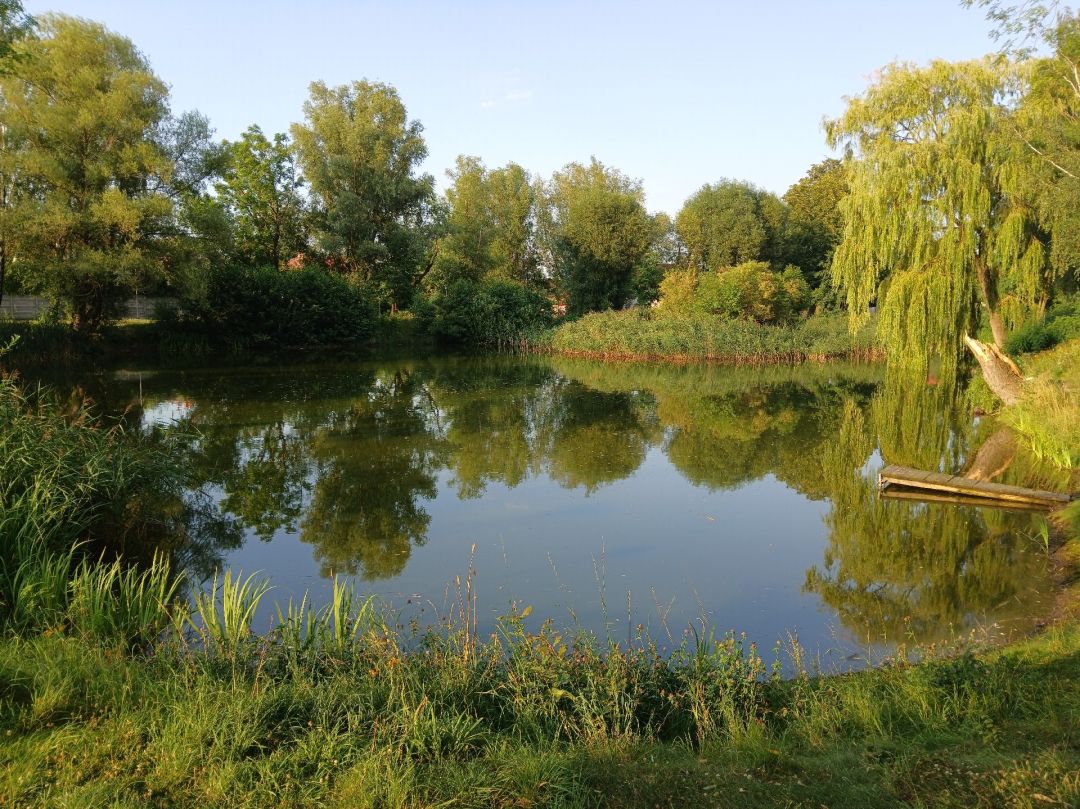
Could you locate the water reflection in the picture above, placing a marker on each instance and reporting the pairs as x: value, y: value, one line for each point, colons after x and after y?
x: 365, y: 462
x: 374, y: 463
x: 917, y: 571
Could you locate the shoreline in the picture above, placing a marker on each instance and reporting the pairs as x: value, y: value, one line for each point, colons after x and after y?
x: 860, y: 356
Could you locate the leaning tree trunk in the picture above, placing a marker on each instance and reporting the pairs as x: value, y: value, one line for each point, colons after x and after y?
x: 1001, y: 374
x: 994, y: 456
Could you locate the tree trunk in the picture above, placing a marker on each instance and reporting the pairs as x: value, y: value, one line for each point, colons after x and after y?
x: 431, y: 263
x: 1001, y: 374
x: 276, y: 246
x: 994, y: 456
x: 990, y: 299
x: 3, y: 269
x: 997, y: 328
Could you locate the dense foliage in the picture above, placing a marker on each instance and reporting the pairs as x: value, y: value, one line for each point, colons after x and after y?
x: 937, y: 226
x: 149, y: 202
x: 644, y: 333
x: 72, y: 488
x: 815, y: 222
x: 84, y: 167
x: 730, y: 223
x: 260, y: 189
x: 1060, y: 323
x: 263, y: 307
x: 750, y: 291
x: 599, y: 232
x: 492, y: 313
x: 490, y: 229
x: 359, y: 151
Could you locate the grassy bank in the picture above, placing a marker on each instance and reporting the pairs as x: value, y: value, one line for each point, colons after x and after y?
x: 1049, y: 415
x: 646, y: 334
x: 330, y: 718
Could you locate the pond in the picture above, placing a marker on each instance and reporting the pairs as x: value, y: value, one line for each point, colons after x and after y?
x: 617, y: 498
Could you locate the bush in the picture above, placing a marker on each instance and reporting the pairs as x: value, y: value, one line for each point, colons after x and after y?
x: 1061, y: 323
x: 677, y: 290
x: 489, y: 313
x: 749, y: 291
x: 270, y: 308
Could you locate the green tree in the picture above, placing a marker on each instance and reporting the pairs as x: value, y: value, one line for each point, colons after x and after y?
x: 1048, y: 123
x: 12, y: 188
x: 936, y: 228
x: 359, y: 152
x: 84, y: 111
x: 512, y: 202
x: 199, y: 236
x: 261, y: 188
x: 665, y: 253
x: 751, y: 291
x: 464, y: 251
x: 490, y: 225
x: 599, y: 232
x: 15, y: 24
x: 731, y: 222
x: 815, y: 223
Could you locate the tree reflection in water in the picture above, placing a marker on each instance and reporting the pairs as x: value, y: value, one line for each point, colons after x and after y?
x: 348, y: 457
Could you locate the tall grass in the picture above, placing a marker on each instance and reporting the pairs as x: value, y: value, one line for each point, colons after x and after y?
x: 1047, y: 414
x: 70, y: 487
x: 226, y: 611
x: 646, y: 334
x: 366, y: 717
x: 121, y: 604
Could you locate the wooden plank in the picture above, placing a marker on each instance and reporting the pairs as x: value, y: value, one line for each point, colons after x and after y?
x: 921, y: 479
x: 895, y: 492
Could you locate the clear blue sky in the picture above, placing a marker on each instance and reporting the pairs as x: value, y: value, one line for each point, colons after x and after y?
x: 677, y: 94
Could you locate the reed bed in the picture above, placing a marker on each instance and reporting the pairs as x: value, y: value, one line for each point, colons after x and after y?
x: 74, y: 495
x: 686, y: 337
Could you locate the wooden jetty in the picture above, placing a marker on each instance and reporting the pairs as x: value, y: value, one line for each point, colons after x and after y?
x: 903, y: 482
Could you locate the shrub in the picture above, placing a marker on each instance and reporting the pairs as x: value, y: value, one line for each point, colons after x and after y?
x: 489, y: 313
x: 1032, y: 337
x: 270, y: 308
x: 677, y: 290
x: 1061, y: 323
x: 647, y: 333
x: 749, y: 291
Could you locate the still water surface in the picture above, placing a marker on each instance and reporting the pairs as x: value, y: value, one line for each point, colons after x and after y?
x: 606, y: 496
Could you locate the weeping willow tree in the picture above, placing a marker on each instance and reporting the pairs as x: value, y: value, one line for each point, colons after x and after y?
x: 936, y: 229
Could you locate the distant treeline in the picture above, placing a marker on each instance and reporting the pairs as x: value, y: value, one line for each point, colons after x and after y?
x: 952, y: 209
x: 108, y: 191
